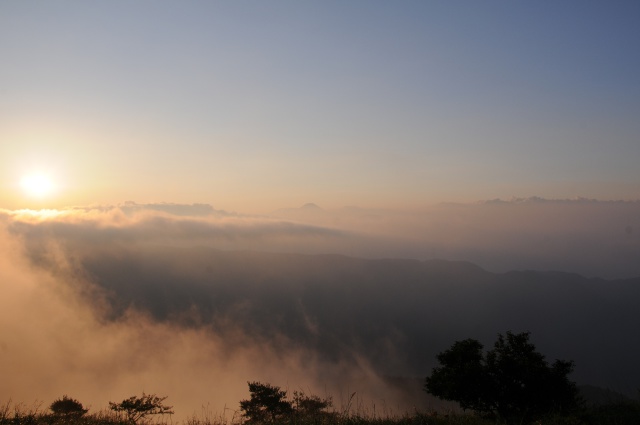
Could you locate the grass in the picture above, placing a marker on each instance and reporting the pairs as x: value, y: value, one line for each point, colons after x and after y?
x: 625, y: 413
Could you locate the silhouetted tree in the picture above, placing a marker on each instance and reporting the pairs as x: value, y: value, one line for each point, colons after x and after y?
x: 266, y: 404
x: 137, y: 408
x: 67, y: 407
x: 513, y: 381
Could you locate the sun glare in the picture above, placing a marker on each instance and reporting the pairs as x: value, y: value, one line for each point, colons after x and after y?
x: 37, y: 185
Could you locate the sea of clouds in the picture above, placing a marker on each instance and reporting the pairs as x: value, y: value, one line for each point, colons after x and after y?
x: 104, y: 302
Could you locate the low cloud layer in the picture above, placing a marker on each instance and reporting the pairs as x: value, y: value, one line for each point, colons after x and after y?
x: 589, y: 237
x: 186, y: 301
x: 74, y: 320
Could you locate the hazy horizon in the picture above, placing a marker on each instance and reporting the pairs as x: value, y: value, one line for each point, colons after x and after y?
x: 592, y: 238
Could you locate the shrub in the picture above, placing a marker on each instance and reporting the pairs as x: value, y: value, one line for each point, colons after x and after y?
x: 137, y: 408
x: 266, y: 404
x: 68, y: 407
x: 310, y: 405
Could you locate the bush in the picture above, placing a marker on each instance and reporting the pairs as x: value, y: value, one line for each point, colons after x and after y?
x: 137, y: 408
x: 269, y: 404
x: 68, y: 407
x: 266, y: 404
x: 310, y: 405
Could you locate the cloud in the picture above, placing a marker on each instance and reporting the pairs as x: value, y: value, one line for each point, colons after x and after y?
x: 592, y: 238
x: 102, y: 304
x: 193, y: 210
x: 585, y: 236
x: 81, y: 228
x: 67, y: 328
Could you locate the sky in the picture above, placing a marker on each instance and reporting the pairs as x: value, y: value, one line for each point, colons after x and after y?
x: 319, y: 195
x: 253, y: 106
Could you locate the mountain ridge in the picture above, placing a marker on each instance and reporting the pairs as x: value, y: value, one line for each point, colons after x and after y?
x: 396, y: 313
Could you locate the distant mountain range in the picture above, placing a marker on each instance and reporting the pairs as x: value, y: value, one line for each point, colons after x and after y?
x: 398, y: 314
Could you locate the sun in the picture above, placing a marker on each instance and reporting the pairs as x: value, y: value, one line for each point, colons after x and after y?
x: 37, y: 185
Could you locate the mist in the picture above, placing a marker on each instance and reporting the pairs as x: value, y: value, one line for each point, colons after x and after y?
x: 590, y: 237
x: 70, y: 324
x: 192, y: 302
x: 599, y: 239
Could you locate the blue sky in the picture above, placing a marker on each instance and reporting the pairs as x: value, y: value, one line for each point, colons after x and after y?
x: 255, y: 105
